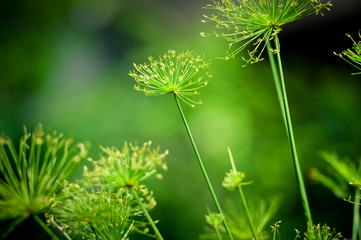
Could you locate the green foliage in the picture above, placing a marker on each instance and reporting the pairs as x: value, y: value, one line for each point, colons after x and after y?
x: 261, y: 211
x: 103, y: 204
x: 352, y: 56
x: 127, y: 167
x: 257, y: 22
x: 324, y: 232
x: 32, y: 176
x: 181, y: 74
x: 96, y: 212
x: 343, y: 174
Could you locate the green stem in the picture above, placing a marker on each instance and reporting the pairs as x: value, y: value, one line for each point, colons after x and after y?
x: 282, y: 96
x: 243, y: 198
x: 356, y: 214
x: 45, y: 227
x: 218, y: 233
x: 276, y: 78
x: 146, y: 213
x: 205, y: 175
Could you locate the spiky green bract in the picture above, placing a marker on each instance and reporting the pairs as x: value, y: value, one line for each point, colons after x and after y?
x: 127, y: 167
x: 262, y: 212
x: 110, y: 201
x: 344, y: 173
x: 324, y: 232
x: 353, y: 56
x: 97, y: 213
x: 182, y: 74
x: 243, y: 22
x: 32, y: 174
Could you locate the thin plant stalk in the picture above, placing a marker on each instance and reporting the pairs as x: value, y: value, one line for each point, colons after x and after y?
x: 276, y: 78
x: 243, y: 198
x: 45, y: 227
x: 204, y: 172
x: 356, y: 214
x: 147, y: 215
x: 282, y: 96
x: 218, y: 233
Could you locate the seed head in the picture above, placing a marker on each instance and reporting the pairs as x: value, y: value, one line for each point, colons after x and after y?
x: 214, y: 219
x: 323, y: 232
x: 234, y: 179
x: 181, y: 74
x: 249, y: 21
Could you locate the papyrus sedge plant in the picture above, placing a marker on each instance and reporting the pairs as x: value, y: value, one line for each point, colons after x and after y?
x: 251, y: 222
x: 257, y: 23
x: 344, y: 176
x: 344, y: 173
x: 32, y: 174
x: 181, y: 75
x: 110, y: 201
x: 353, y: 55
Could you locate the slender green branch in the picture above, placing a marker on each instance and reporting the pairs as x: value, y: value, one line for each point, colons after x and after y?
x: 282, y: 96
x: 205, y: 175
x: 356, y: 214
x: 45, y: 227
x: 147, y: 215
x: 243, y: 198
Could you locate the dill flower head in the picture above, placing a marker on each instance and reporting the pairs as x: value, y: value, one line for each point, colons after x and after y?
x: 181, y: 74
x: 353, y: 56
x: 249, y: 21
x: 127, y: 167
x: 32, y: 174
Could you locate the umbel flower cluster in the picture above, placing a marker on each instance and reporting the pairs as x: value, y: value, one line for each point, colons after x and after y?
x: 110, y: 201
x: 127, y: 167
x: 181, y: 74
x: 243, y: 22
x: 32, y: 175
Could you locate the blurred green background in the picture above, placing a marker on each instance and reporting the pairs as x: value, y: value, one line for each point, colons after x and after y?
x: 65, y: 64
